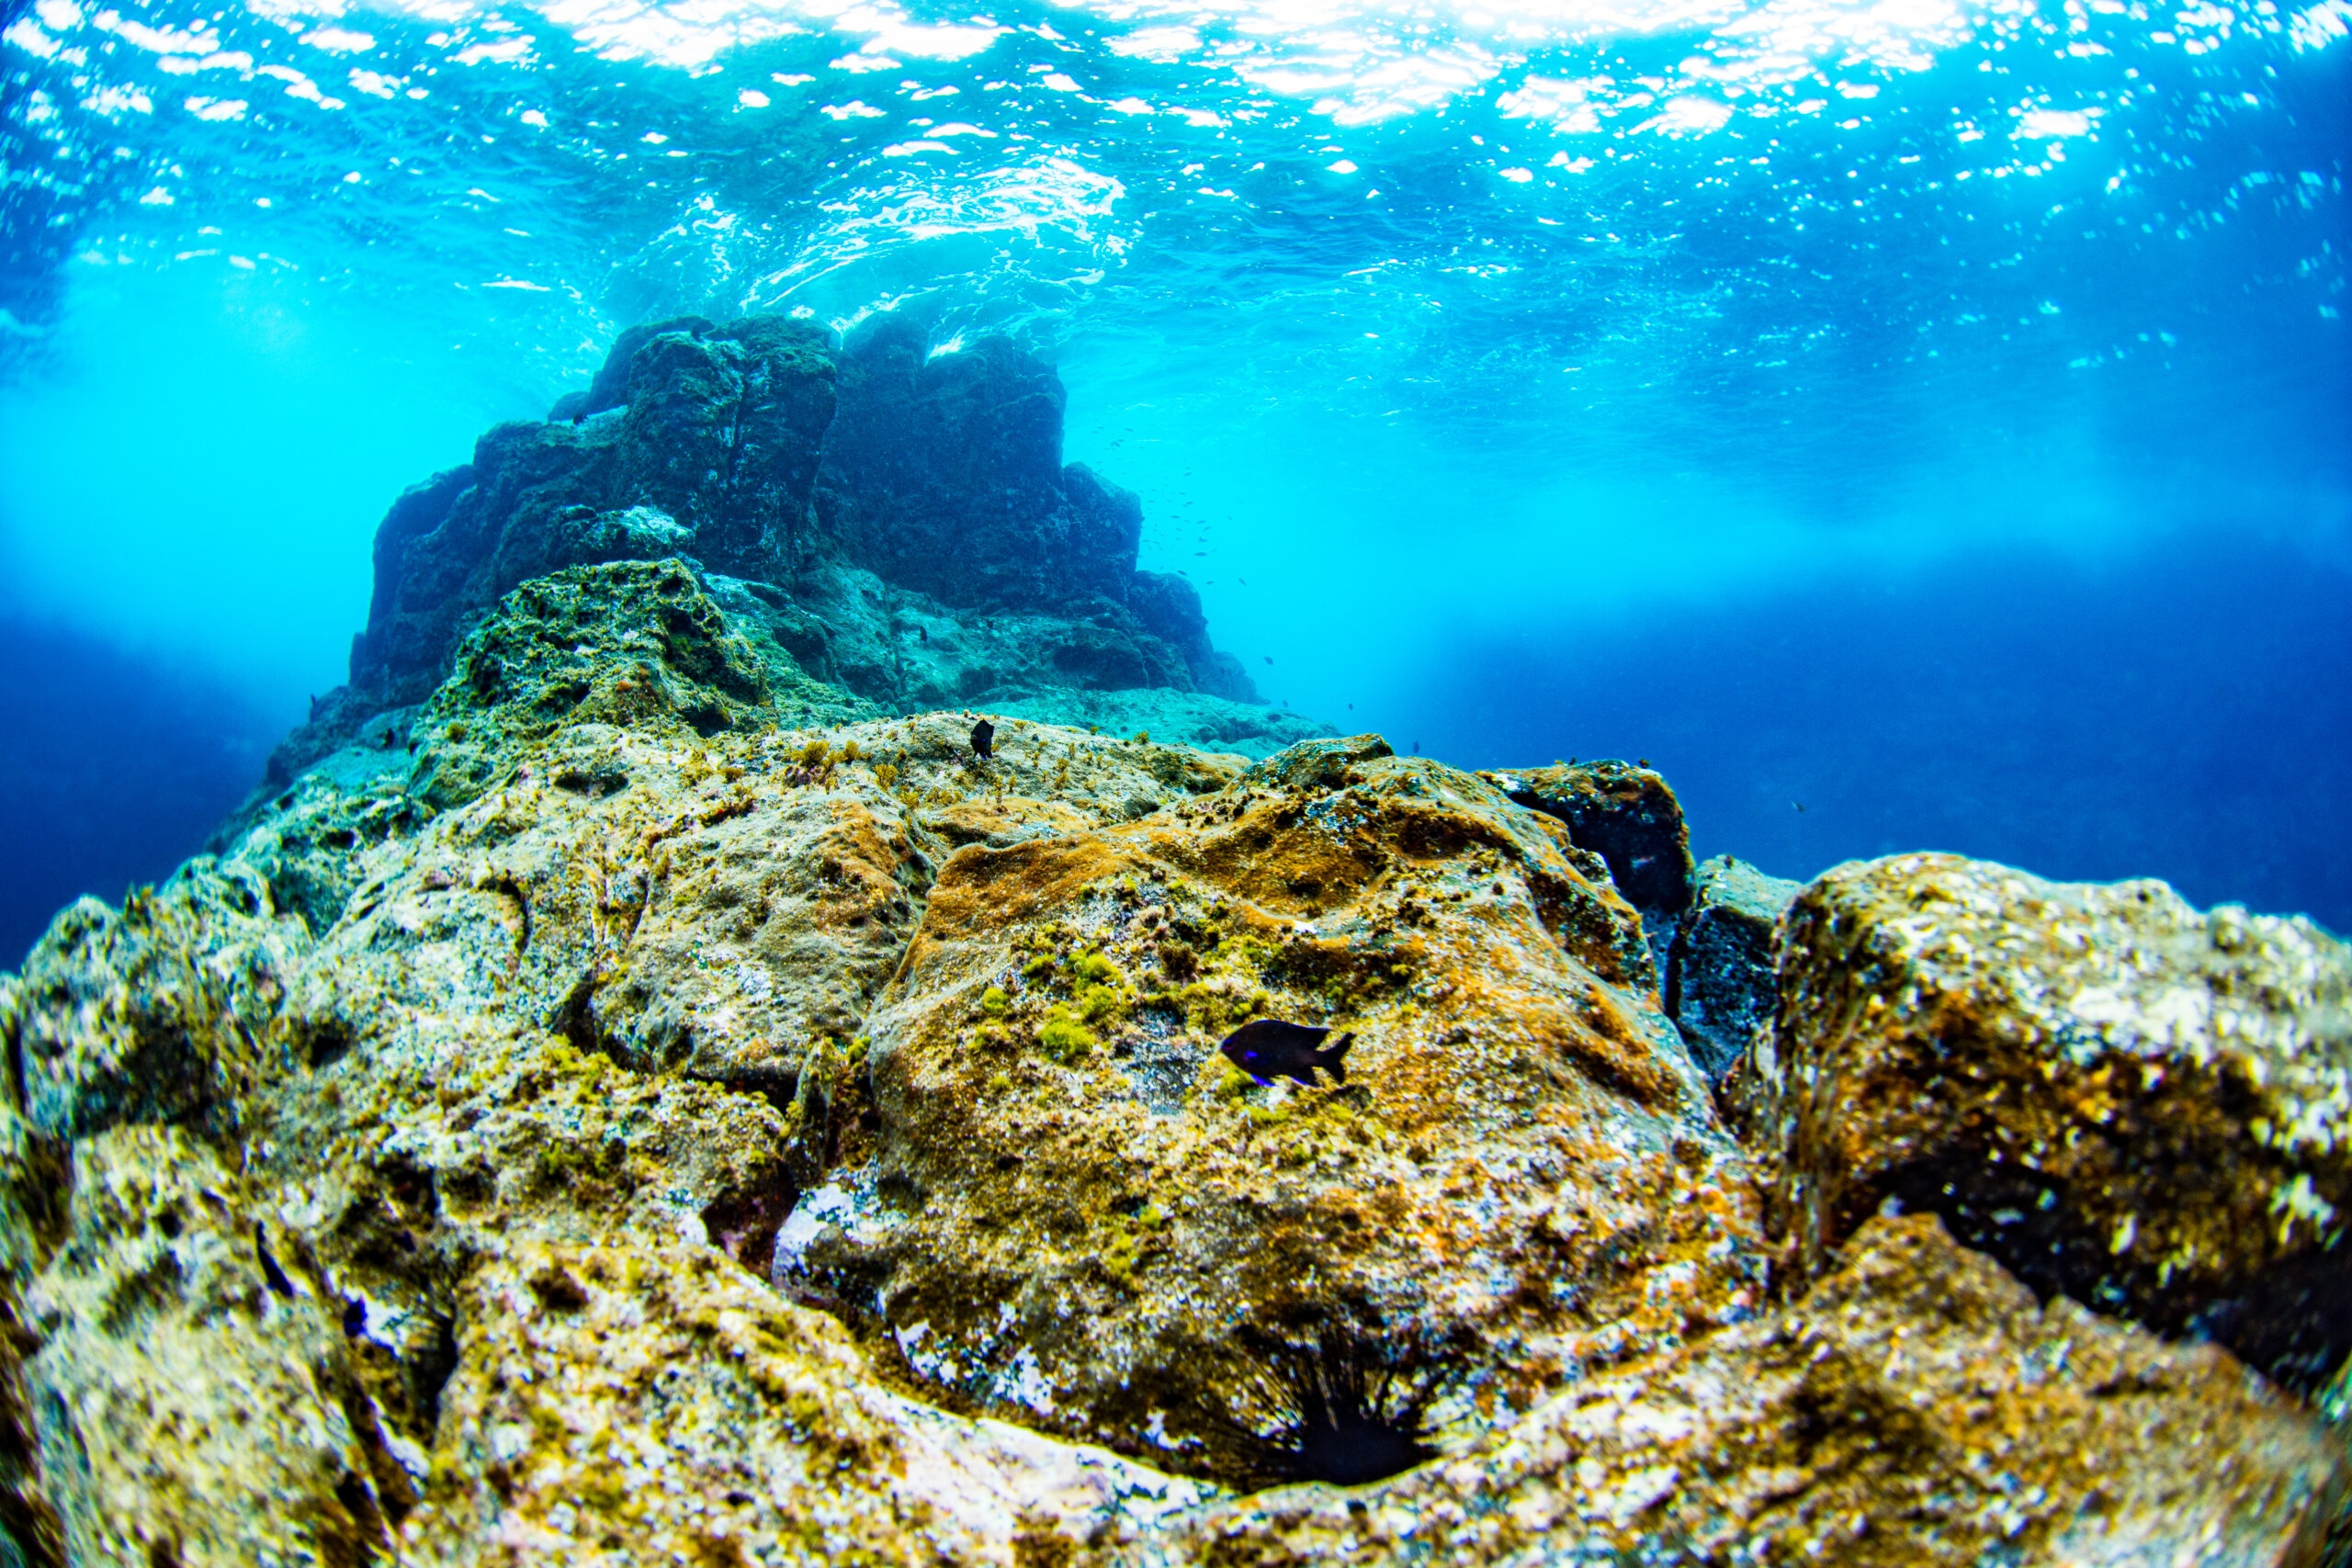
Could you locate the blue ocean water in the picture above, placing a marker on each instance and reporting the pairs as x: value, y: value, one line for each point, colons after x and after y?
x: 1911, y: 423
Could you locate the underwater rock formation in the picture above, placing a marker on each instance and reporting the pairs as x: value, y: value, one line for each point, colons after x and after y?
x: 2137, y: 1105
x: 896, y: 521
x: 1719, y: 985
x: 1917, y: 1407
x: 1624, y: 813
x: 150, y: 1012
x: 632, y: 1098
x: 1115, y: 1234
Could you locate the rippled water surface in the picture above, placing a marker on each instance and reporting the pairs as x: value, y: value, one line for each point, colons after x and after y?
x: 1929, y: 414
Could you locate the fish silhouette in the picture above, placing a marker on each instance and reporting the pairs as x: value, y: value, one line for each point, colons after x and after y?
x: 983, y: 738
x: 1268, y: 1048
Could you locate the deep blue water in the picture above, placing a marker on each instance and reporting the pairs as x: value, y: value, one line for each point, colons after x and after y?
x: 1935, y: 412
x: 115, y: 768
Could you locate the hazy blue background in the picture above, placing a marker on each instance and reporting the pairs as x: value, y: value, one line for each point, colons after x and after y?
x: 1933, y: 415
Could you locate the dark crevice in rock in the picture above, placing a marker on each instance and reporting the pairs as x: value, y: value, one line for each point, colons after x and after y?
x: 271, y: 1269
x: 389, y: 1487
x: 2293, y: 1321
x: 575, y: 1017
x: 1624, y: 813
x: 431, y: 1371
x: 742, y: 1222
x: 325, y: 1040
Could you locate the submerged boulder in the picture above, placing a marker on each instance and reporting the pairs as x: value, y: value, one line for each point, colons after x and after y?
x: 1916, y: 1406
x: 152, y: 1012
x: 635, y: 643
x: 1719, y: 980
x: 1625, y: 814
x: 2126, y: 1101
x: 1080, y: 1216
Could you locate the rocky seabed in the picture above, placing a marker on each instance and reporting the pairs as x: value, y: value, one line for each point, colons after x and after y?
x: 609, y: 1106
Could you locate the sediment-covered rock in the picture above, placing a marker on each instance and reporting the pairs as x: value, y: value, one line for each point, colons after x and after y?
x: 629, y: 1403
x: 683, y: 1143
x: 1720, y: 987
x: 2126, y: 1101
x: 192, y: 1396
x: 633, y: 643
x: 151, y: 1013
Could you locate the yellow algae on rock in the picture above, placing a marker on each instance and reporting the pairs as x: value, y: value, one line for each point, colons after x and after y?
x: 1075, y: 1217
x: 635, y: 643
x: 2143, y: 1107
x: 151, y: 1013
x: 621, y: 1403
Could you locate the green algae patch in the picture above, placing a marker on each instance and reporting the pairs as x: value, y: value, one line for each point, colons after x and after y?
x: 1063, y: 1037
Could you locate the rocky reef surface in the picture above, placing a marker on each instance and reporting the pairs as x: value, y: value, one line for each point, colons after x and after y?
x: 625, y: 1096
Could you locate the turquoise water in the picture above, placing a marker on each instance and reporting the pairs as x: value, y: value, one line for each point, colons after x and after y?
x: 1910, y: 425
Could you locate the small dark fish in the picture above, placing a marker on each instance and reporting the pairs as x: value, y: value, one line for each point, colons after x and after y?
x: 1269, y: 658
x: 1268, y: 1048
x: 983, y: 738
x: 1798, y: 804
x: 925, y: 633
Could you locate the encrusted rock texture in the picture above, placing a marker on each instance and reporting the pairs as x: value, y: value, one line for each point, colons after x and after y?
x: 624, y: 1096
x: 2128, y: 1101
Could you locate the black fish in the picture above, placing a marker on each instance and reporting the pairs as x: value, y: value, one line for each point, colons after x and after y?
x: 983, y: 738
x: 1268, y: 1048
